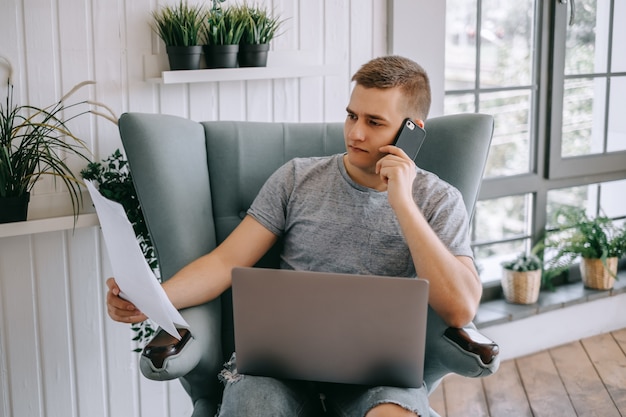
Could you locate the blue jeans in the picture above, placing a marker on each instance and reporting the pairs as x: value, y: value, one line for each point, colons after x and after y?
x: 256, y: 396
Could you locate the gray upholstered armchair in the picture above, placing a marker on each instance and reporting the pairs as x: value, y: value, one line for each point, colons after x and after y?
x: 195, y: 182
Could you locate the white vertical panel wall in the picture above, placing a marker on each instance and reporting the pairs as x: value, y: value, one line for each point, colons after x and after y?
x: 60, y: 354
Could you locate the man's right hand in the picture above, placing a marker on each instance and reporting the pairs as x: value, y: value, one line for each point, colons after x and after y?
x: 120, y: 309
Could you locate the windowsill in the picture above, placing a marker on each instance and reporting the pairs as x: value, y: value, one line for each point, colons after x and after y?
x: 495, y: 312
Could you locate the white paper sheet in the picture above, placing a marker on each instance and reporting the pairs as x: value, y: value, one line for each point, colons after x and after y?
x: 131, y: 270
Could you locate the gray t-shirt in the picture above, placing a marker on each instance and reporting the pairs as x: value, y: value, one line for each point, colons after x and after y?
x: 330, y: 223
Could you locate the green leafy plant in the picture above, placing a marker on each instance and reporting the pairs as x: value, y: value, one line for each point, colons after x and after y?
x: 260, y: 25
x: 524, y: 262
x: 179, y: 25
x: 223, y: 27
x: 36, y: 142
x: 114, y: 181
x: 580, y: 235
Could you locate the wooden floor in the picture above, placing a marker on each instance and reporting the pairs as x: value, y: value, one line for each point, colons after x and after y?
x: 584, y: 378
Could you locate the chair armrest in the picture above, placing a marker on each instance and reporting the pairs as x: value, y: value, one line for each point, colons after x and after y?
x: 461, y: 351
x: 166, y: 358
x: 164, y: 346
x: 473, y: 342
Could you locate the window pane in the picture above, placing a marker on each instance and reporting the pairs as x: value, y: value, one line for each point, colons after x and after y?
x: 460, y: 44
x: 490, y: 257
x: 612, y: 198
x: 618, y: 58
x: 583, y: 196
x: 506, y: 219
x: 455, y: 103
x: 501, y: 218
x: 587, y: 39
x: 617, y: 122
x: 507, y: 35
x: 583, y: 116
x: 510, y: 147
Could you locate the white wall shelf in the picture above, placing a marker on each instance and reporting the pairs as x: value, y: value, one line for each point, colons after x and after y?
x: 242, y: 74
x: 280, y: 64
x: 52, y: 224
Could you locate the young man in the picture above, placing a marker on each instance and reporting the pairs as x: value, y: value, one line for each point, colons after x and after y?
x: 382, y: 216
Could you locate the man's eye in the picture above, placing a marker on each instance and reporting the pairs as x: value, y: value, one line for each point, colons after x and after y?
x: 351, y: 116
x: 374, y: 123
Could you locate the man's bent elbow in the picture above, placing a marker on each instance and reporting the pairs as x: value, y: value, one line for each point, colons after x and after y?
x: 460, y: 318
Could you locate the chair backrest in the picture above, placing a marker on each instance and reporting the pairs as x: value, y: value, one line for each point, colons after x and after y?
x: 195, y: 181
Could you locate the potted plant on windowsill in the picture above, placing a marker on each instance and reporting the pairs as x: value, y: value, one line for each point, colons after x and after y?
x: 37, y: 142
x: 179, y: 27
x: 222, y: 32
x: 260, y: 27
x: 597, y: 241
x: 521, y: 278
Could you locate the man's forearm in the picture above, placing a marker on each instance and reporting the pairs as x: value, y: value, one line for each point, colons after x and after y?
x: 455, y: 287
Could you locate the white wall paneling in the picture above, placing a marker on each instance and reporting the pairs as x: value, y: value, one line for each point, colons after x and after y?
x: 418, y: 33
x: 60, y: 354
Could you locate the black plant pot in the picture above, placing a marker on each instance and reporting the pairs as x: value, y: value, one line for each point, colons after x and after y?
x: 184, y: 57
x: 253, y: 55
x: 221, y: 56
x: 14, y: 209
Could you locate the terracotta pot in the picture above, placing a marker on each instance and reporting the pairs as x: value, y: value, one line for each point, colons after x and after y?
x: 595, y: 275
x: 521, y: 287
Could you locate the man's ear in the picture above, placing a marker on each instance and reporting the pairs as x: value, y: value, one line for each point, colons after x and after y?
x: 419, y: 122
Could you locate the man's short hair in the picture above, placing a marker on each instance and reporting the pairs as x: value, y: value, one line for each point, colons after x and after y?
x: 396, y: 71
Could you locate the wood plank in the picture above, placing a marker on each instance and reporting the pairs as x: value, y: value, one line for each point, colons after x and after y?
x: 620, y: 338
x: 505, y: 393
x: 464, y: 396
x: 25, y: 393
x: 437, y: 400
x: 56, y: 367
x: 582, y: 382
x: 610, y: 362
x: 543, y: 386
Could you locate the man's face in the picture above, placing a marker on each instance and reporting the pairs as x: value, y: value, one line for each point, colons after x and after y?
x: 374, y: 118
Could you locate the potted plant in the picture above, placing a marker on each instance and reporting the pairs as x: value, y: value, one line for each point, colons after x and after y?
x: 260, y: 27
x: 597, y: 241
x: 521, y: 278
x: 179, y: 26
x: 222, y: 32
x: 37, y: 142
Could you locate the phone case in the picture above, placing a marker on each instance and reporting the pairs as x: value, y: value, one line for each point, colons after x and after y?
x: 410, y: 138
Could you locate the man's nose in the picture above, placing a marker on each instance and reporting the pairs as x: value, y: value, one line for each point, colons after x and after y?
x: 356, y: 131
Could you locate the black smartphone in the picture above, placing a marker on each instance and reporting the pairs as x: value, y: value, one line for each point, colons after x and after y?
x: 410, y: 138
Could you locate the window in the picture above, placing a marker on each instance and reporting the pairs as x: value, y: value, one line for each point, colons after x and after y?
x: 557, y: 93
x: 493, y: 73
x: 588, y: 125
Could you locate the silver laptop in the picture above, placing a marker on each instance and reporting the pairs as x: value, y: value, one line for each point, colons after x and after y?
x: 353, y: 329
